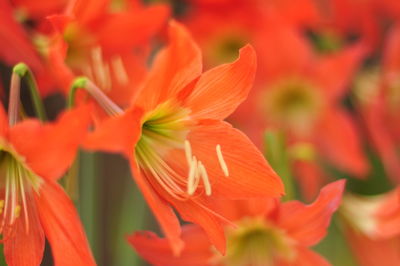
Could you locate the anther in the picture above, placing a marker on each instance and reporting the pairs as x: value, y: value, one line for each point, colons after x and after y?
x: 221, y: 160
x: 17, y: 211
x: 204, y: 176
x: 119, y: 70
x: 191, y: 188
x: 188, y: 152
x: 1, y: 206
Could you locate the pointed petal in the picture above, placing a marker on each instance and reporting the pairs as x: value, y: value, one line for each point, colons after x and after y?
x: 197, y: 250
x: 173, y: 69
x: 200, y: 212
x: 163, y: 212
x: 338, y: 139
x: 116, y: 34
x: 50, y: 149
x: 116, y: 134
x: 308, y: 223
x: 370, y: 252
x: 62, y: 227
x: 334, y: 72
x: 249, y: 173
x: 15, y: 45
x: 220, y: 90
x: 22, y: 247
x: 86, y: 11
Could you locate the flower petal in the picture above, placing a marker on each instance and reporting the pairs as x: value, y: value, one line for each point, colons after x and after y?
x: 308, y: 223
x: 338, y: 139
x: 197, y: 250
x: 116, y: 34
x: 50, y: 149
x: 220, y: 90
x: 173, y: 69
x: 249, y: 173
x: 162, y: 211
x: 307, y: 257
x: 116, y: 134
x: 62, y: 227
x: 23, y: 247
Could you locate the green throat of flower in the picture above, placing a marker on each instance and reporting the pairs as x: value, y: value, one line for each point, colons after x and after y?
x: 17, y: 182
x: 164, y: 131
x: 257, y: 243
x: 294, y: 104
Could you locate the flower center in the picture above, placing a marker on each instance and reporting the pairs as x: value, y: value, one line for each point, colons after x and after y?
x: 258, y: 243
x: 16, y: 184
x: 293, y: 104
x: 164, y: 131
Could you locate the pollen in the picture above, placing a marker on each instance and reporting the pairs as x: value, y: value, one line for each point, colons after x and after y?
x: 221, y: 161
x: 17, y: 211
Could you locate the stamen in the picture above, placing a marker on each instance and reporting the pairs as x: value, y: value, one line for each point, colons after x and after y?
x: 119, y: 70
x: 188, y: 152
x: 221, y: 160
x: 191, y: 188
x: 98, y: 66
x: 204, y: 176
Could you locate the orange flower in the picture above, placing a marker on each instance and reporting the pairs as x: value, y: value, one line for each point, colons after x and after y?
x: 108, y: 46
x: 372, y: 227
x: 268, y: 233
x: 182, y: 154
x: 379, y: 101
x: 32, y: 205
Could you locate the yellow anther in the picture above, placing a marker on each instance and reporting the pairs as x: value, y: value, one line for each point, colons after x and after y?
x: 17, y: 211
x: 204, y: 177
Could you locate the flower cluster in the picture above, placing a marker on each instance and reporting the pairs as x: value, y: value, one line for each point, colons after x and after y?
x: 228, y: 114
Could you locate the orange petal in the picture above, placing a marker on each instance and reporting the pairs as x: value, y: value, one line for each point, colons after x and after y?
x: 62, y: 227
x: 124, y: 30
x: 86, y: 11
x: 173, y: 69
x: 197, y: 250
x: 308, y: 223
x: 339, y: 141
x: 220, y: 90
x: 310, y: 177
x: 116, y: 134
x: 249, y: 173
x: 369, y: 252
x: 162, y: 211
x: 334, y: 72
x: 307, y: 257
x: 3, y: 122
x: 22, y: 247
x: 50, y: 149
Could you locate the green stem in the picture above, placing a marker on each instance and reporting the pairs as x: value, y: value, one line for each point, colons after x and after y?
x: 276, y: 153
x: 84, y: 83
x: 22, y: 70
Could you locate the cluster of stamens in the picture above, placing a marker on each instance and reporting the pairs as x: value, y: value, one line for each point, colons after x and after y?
x: 100, y: 71
x: 197, y: 170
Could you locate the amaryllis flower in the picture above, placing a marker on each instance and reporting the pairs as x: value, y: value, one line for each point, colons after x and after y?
x: 372, y: 227
x: 379, y: 101
x: 33, y: 206
x: 182, y: 154
x: 268, y: 233
x: 108, y: 46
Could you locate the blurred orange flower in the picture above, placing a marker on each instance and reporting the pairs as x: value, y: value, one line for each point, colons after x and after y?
x: 267, y: 233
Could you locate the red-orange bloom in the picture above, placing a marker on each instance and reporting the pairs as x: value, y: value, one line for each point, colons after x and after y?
x: 32, y: 205
x: 182, y: 154
x: 268, y: 233
x: 372, y: 227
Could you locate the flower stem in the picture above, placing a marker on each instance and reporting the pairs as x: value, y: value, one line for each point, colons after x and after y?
x: 84, y: 83
x: 20, y: 71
